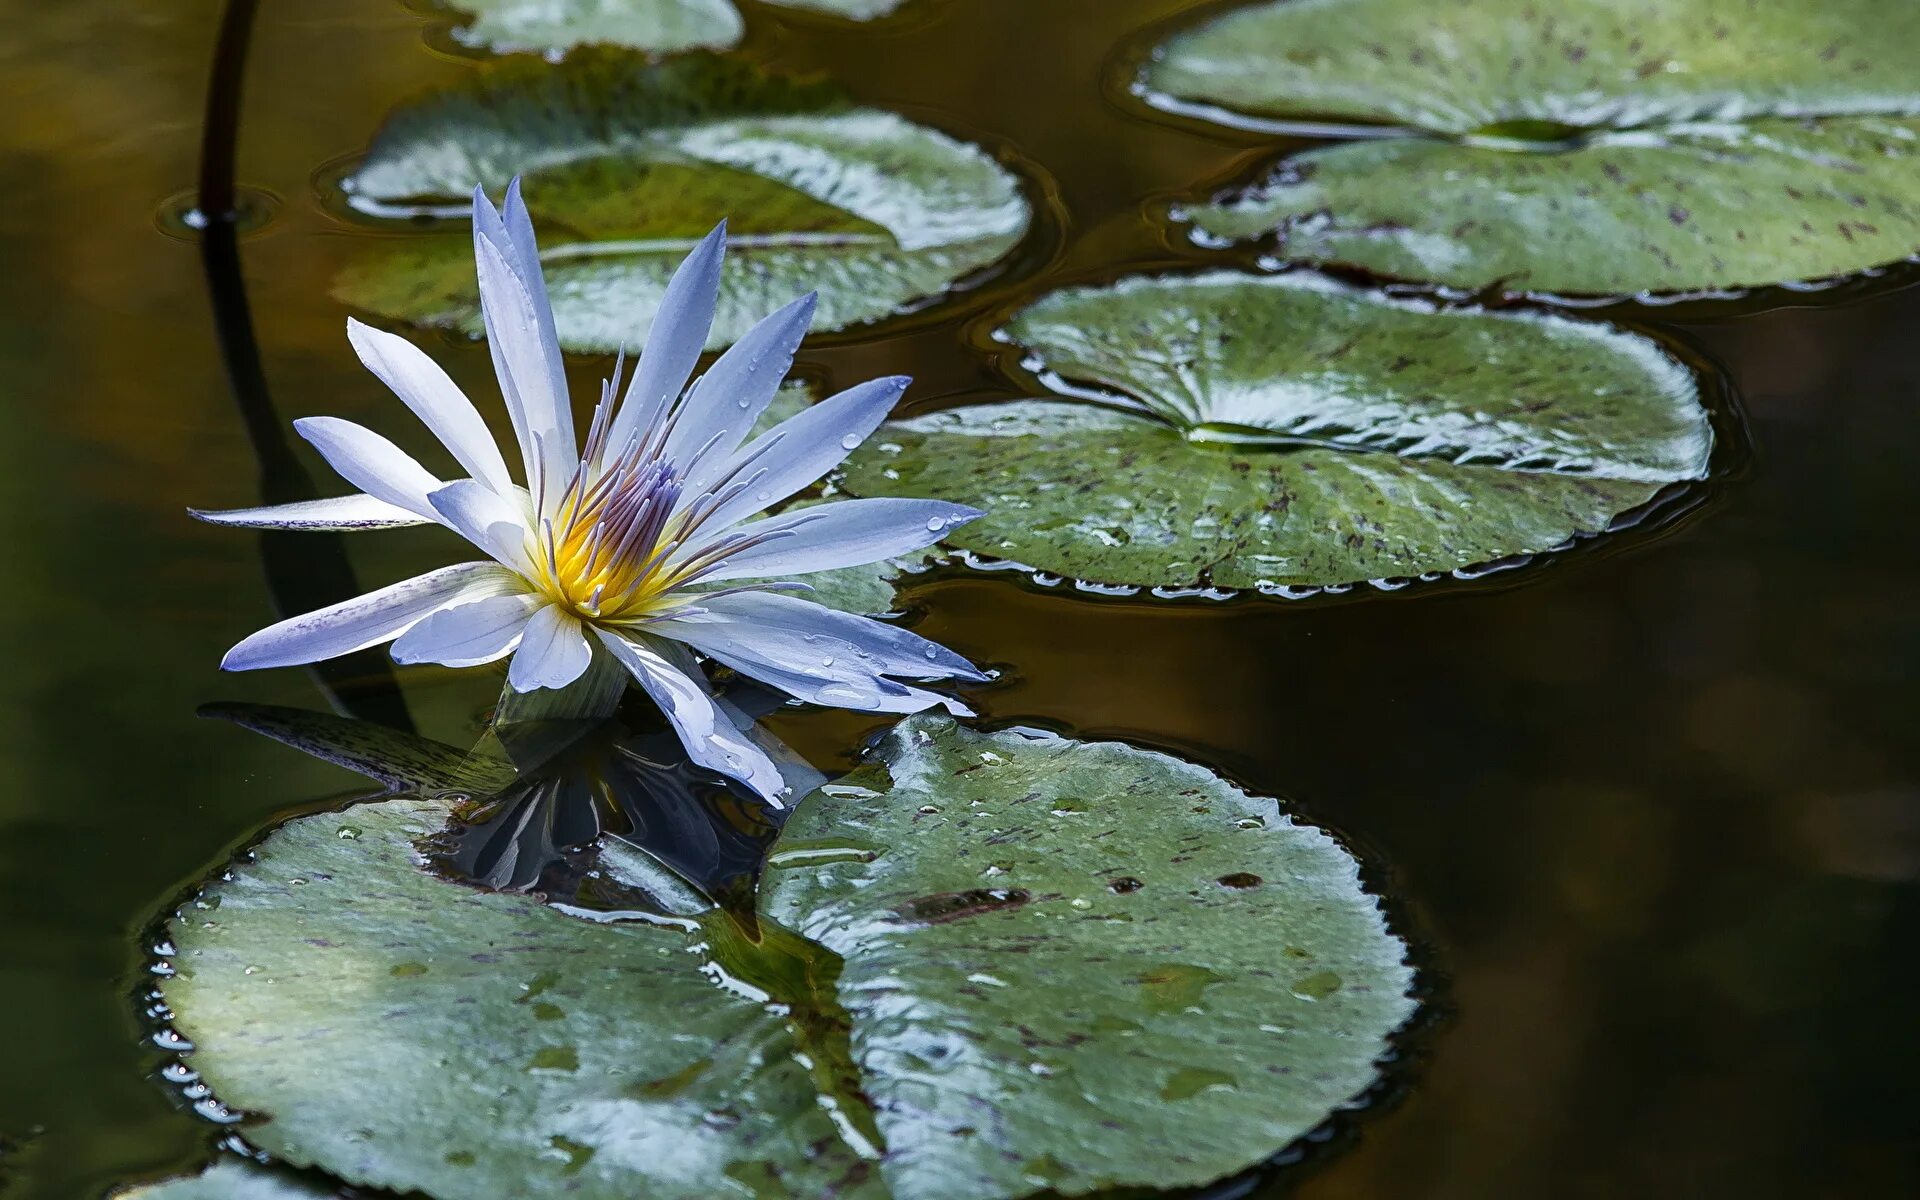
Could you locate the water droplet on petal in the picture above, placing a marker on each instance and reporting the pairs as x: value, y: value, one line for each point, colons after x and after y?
x: 850, y: 442
x: 936, y: 524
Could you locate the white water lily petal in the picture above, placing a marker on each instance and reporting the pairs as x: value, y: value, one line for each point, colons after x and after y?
x: 524, y: 360
x: 469, y: 635
x: 525, y: 260
x: 371, y: 463
x: 554, y: 652
x: 674, y: 342
x: 434, y: 397
x: 724, y: 403
x: 371, y: 619
x: 710, y: 738
x: 785, y: 628
x: 899, y: 651
x: 801, y: 449
x: 846, y: 533
x: 336, y: 514
x: 839, y: 686
x: 488, y: 520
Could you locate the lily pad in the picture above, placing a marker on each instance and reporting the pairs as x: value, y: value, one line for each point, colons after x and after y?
x: 1586, y: 147
x: 627, y: 165
x: 1291, y: 432
x: 983, y: 965
x: 231, y: 1179
x: 660, y: 26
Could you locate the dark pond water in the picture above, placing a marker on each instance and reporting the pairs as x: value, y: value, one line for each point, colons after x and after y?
x: 1652, y: 813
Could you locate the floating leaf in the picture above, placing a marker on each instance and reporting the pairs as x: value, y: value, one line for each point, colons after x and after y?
x: 983, y: 965
x: 660, y: 26
x: 627, y: 165
x: 1589, y: 147
x: 1291, y: 432
x: 230, y: 1179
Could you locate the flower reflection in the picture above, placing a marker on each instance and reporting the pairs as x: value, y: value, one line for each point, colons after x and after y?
x: 536, y: 793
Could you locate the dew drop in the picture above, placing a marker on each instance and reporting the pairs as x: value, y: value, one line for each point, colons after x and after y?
x: 850, y: 442
x: 936, y: 524
x: 347, y: 833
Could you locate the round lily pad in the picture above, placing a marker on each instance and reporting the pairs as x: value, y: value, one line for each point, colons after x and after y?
x: 660, y: 26
x: 1588, y: 147
x: 983, y: 965
x: 1291, y: 432
x: 231, y: 1179
x: 627, y: 165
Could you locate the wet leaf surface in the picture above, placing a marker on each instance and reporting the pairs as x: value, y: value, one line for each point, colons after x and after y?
x: 1288, y: 431
x: 626, y: 165
x: 983, y: 965
x: 660, y: 26
x: 231, y: 1179
x: 1587, y: 148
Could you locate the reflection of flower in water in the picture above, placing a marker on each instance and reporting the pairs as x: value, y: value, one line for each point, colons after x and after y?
x: 535, y: 792
x: 640, y: 541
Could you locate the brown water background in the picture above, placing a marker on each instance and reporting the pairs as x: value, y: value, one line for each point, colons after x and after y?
x: 1652, y: 814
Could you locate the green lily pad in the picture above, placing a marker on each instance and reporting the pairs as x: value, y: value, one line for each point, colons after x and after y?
x: 660, y: 26
x: 1586, y: 147
x: 983, y: 965
x: 230, y: 1179
x: 1289, y: 432
x: 627, y: 165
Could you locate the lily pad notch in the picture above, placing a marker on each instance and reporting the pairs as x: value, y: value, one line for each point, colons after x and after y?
x: 1580, y: 149
x: 1293, y: 435
x: 963, y: 986
x: 626, y: 163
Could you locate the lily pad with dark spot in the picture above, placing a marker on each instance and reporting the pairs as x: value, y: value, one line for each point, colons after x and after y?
x: 1290, y: 432
x: 983, y: 965
x: 1586, y: 147
x: 626, y: 165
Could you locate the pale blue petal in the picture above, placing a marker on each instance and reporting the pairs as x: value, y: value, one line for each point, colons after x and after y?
x: 468, y: 635
x: 799, y: 635
x: 371, y: 619
x: 726, y: 401
x: 839, y: 688
x: 675, y: 342
x: 337, y: 514
x: 488, y: 520
x: 801, y: 449
x: 528, y: 366
x: 710, y: 738
x: 554, y: 652
x: 371, y: 463
x: 435, y: 399
x: 845, y: 533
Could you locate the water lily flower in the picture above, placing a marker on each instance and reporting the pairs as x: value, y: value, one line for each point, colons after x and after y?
x: 645, y: 539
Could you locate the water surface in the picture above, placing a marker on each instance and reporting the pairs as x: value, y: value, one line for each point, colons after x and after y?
x: 1653, y: 814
